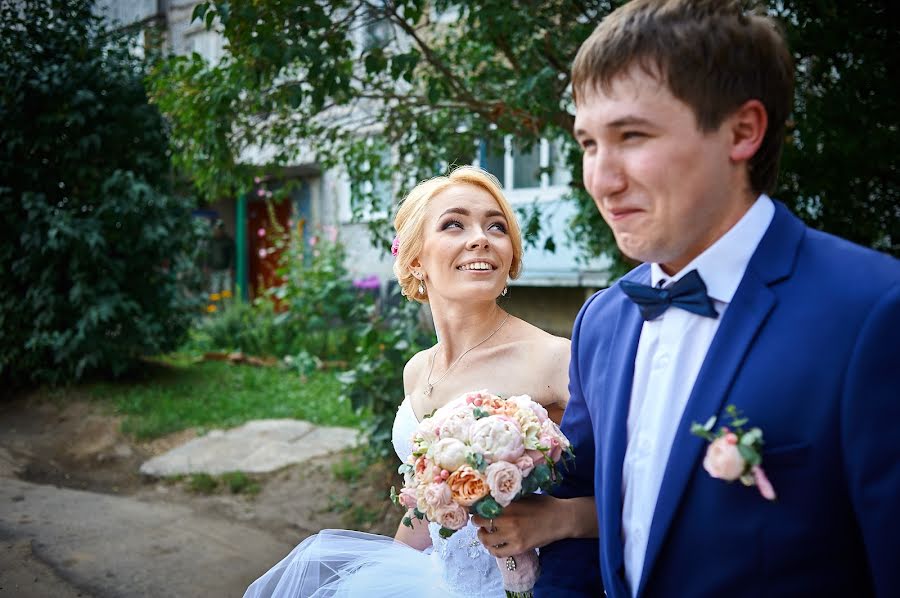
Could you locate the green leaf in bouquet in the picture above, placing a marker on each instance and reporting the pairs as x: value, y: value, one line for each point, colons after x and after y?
x: 478, y: 413
x: 405, y: 468
x: 419, y: 514
x: 529, y: 485
x: 488, y: 508
x: 446, y: 532
x: 541, y: 474
x: 476, y: 460
x: 751, y: 438
x: 395, y: 498
x: 749, y: 454
x: 407, y: 521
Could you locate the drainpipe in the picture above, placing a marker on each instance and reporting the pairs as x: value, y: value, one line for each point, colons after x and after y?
x: 240, y: 242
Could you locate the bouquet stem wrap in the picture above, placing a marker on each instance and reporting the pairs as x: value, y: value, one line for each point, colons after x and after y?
x: 520, y: 573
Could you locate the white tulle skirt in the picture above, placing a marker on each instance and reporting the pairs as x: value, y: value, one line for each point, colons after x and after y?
x: 349, y: 564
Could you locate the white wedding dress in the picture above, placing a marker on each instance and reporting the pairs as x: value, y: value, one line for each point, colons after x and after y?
x: 349, y: 564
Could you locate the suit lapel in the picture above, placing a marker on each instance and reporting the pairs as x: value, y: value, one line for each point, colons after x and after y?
x: 746, y: 314
x: 620, y: 369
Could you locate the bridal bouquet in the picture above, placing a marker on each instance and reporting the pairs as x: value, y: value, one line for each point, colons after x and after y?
x: 477, y: 454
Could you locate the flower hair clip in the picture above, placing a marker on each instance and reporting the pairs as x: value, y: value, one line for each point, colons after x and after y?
x: 395, y: 246
x: 735, y: 453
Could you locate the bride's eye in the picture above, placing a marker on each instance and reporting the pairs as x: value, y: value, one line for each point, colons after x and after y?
x: 451, y: 224
x: 499, y: 226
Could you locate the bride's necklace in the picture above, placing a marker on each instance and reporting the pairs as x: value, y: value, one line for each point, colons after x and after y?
x: 429, y: 385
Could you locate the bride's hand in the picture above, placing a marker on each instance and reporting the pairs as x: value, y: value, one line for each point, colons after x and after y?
x: 525, y: 524
x: 537, y: 520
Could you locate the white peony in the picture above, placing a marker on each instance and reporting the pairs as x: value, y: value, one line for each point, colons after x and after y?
x: 450, y: 453
x: 498, y: 438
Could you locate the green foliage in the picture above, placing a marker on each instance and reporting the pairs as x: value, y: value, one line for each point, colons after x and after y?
x: 239, y: 482
x: 429, y: 80
x: 202, y: 483
x: 311, y: 317
x: 97, y: 265
x: 840, y: 166
x: 215, y: 394
x: 392, y: 336
x: 321, y: 305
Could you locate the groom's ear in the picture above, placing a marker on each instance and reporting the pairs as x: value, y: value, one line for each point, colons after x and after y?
x: 747, y: 126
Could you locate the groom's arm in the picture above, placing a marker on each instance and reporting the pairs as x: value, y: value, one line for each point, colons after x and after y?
x: 871, y: 445
x: 571, y: 567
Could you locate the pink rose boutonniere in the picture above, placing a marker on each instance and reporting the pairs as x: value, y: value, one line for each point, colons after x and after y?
x: 735, y: 453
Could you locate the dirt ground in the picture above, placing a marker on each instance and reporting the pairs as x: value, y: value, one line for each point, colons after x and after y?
x: 76, y: 444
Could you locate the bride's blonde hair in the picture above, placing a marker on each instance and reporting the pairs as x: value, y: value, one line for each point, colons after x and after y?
x: 409, y: 223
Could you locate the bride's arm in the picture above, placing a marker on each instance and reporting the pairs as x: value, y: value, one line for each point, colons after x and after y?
x: 416, y: 536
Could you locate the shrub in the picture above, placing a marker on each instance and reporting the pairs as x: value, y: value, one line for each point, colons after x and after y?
x: 375, y: 382
x: 319, y: 299
x: 96, y: 267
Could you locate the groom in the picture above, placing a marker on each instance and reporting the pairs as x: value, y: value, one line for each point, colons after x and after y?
x: 680, y: 111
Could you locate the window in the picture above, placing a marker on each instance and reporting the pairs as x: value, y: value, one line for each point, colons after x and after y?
x: 520, y: 167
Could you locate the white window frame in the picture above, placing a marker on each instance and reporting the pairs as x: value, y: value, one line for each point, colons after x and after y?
x: 545, y: 192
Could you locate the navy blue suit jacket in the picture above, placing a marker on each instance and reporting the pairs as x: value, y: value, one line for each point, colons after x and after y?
x: 809, y: 350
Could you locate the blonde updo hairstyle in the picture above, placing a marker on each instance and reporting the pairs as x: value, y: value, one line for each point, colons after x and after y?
x: 410, y: 223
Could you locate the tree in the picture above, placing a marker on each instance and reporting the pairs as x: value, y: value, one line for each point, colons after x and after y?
x: 411, y: 86
x: 95, y: 267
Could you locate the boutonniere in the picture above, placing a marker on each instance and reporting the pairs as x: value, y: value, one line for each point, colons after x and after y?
x: 734, y: 453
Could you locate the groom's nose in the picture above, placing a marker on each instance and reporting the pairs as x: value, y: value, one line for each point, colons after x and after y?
x: 603, y: 174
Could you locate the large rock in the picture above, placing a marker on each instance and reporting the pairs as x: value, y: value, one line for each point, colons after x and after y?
x: 256, y: 447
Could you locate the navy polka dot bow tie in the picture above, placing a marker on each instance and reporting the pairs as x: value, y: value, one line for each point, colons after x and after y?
x: 688, y: 293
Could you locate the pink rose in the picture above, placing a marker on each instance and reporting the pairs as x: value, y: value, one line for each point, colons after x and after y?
x: 395, y: 246
x: 537, y: 457
x: 437, y: 495
x: 505, y: 481
x: 452, y: 516
x: 498, y: 438
x: 407, y: 498
x: 526, y: 464
x: 554, y: 447
x: 723, y: 460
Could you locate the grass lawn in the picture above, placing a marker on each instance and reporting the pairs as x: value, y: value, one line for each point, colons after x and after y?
x: 212, y: 394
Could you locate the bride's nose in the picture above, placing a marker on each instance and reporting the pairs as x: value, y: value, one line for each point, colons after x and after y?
x: 479, y: 239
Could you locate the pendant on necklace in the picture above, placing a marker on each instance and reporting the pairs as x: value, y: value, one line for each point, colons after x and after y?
x: 427, y: 392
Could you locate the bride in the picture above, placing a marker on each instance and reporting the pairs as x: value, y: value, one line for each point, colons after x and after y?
x: 458, y: 243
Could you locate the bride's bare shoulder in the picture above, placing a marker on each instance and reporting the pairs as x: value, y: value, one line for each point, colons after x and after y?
x: 546, y: 344
x: 414, y: 370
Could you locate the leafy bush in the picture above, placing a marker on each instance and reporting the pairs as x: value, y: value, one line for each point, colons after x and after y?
x: 96, y: 268
x: 375, y: 383
x: 315, y: 314
x: 321, y: 304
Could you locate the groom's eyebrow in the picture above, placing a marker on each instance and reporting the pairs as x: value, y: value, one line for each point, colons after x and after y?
x: 629, y: 121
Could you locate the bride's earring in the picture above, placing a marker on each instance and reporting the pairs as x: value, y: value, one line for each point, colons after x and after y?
x: 504, y: 291
x: 421, y: 278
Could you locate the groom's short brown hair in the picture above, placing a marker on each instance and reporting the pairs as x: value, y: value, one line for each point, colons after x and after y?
x: 712, y: 55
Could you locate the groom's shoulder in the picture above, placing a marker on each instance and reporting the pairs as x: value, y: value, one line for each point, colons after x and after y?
x: 612, y: 298
x: 848, y: 266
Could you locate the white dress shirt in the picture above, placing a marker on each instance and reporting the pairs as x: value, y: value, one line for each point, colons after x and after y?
x: 670, y: 352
